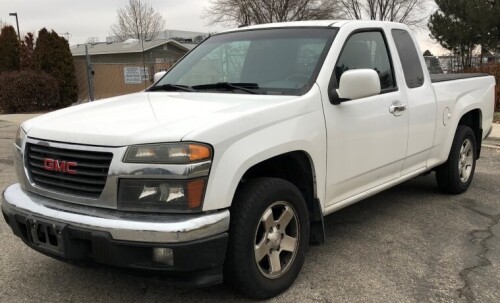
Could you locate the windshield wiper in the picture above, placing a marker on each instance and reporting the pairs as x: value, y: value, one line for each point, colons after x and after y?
x: 246, y: 87
x: 171, y: 87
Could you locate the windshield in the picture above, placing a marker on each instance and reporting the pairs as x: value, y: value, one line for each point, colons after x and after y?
x: 283, y: 61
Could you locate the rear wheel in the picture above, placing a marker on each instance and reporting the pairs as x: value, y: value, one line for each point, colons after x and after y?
x: 267, y: 239
x: 455, y: 176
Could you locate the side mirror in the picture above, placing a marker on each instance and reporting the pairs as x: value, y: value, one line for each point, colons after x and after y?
x: 358, y: 83
x: 158, y: 76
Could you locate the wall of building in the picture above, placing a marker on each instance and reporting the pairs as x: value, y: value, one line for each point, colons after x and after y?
x: 171, y: 34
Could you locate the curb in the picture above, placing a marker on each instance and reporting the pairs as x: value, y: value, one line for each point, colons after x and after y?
x: 491, y: 142
x: 491, y: 146
x: 492, y: 139
x: 17, y: 118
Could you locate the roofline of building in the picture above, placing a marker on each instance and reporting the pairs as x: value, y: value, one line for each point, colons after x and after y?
x: 129, y: 51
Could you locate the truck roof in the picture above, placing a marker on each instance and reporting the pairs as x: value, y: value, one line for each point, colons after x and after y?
x: 313, y: 23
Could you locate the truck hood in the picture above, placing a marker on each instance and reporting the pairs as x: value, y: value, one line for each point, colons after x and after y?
x: 146, y: 117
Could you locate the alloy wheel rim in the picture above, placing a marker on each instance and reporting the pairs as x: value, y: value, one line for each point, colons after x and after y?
x: 465, y: 160
x: 276, y: 240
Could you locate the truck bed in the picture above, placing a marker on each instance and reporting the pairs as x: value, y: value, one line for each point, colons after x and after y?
x: 450, y: 77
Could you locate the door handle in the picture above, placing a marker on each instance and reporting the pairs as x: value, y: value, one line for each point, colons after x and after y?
x: 397, y: 108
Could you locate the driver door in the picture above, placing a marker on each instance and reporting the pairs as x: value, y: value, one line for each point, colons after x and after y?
x: 366, y: 143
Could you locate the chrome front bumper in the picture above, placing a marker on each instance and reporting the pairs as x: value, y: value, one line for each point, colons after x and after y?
x: 149, y: 228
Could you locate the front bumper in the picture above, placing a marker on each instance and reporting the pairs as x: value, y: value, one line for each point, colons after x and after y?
x: 197, y: 241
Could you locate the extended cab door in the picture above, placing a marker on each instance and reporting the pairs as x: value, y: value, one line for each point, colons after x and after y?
x: 366, y: 142
x: 420, y: 99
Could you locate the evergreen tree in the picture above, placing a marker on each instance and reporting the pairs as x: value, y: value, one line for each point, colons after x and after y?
x: 53, y: 56
x: 9, y: 50
x: 461, y: 25
x: 428, y: 53
x: 27, y: 48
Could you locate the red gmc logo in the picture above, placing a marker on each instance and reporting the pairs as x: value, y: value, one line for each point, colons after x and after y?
x: 64, y: 167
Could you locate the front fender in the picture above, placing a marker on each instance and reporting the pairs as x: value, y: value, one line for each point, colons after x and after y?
x: 299, y: 134
x: 297, y: 125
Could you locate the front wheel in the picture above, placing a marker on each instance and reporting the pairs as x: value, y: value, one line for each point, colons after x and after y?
x: 267, y: 238
x: 455, y: 176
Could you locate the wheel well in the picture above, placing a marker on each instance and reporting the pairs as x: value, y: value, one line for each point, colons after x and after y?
x: 297, y: 168
x: 473, y: 120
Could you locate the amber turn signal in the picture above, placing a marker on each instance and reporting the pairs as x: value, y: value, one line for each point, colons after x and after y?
x: 199, y: 152
x: 195, y: 190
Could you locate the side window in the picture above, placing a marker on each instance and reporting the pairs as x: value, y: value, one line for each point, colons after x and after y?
x: 367, y: 50
x: 410, y: 61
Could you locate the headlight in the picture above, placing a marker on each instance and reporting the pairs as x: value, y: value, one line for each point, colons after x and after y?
x: 181, y: 196
x: 20, y: 135
x: 168, y: 153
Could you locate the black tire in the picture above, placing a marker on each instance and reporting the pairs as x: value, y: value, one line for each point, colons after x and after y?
x: 252, y: 202
x: 450, y: 176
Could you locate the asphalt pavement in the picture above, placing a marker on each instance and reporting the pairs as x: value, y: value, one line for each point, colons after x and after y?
x: 407, y: 244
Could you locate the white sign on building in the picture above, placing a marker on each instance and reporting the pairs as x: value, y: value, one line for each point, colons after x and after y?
x: 135, y: 75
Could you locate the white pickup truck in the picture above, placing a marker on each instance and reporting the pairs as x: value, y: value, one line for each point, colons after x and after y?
x: 224, y: 169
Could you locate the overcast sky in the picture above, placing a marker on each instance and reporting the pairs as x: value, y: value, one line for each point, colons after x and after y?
x: 93, y: 18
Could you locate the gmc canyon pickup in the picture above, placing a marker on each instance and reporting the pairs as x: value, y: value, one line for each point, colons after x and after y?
x: 223, y: 169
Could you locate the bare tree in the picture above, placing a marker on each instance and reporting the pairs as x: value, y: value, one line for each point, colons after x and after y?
x: 353, y: 9
x: 246, y: 12
x: 3, y: 24
x: 413, y: 13
x: 138, y: 20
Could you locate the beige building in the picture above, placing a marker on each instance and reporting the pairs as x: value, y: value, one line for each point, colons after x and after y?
x: 123, y: 67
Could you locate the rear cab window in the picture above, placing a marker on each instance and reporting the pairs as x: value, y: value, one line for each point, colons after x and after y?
x: 410, y: 60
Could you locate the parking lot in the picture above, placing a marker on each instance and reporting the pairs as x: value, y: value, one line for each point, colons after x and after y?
x: 408, y: 244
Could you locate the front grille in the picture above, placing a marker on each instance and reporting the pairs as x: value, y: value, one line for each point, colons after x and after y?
x: 91, y: 169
